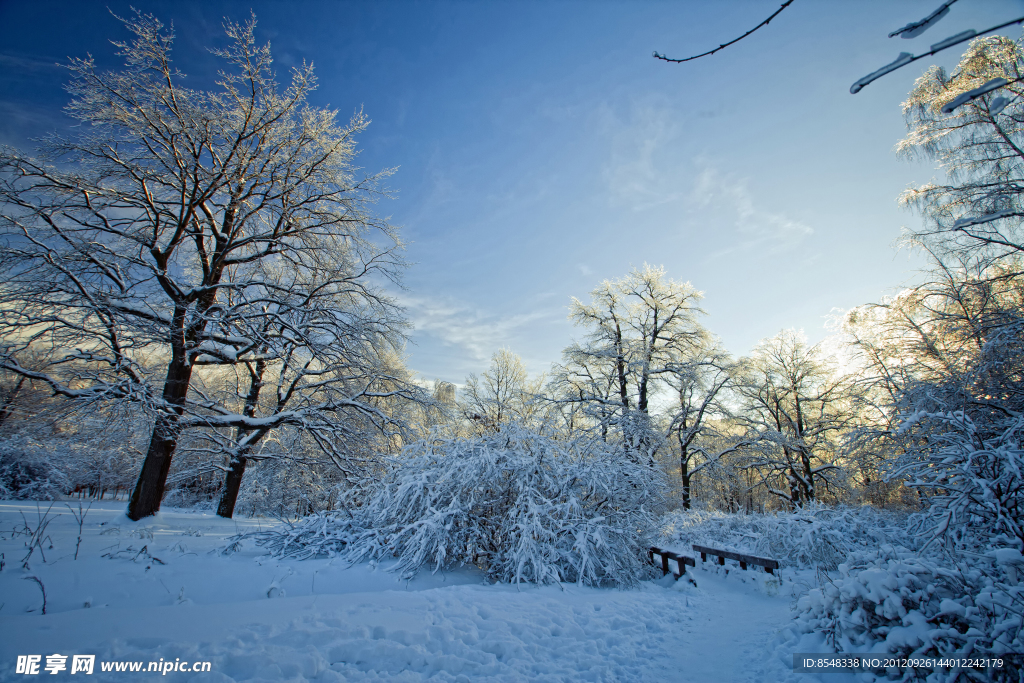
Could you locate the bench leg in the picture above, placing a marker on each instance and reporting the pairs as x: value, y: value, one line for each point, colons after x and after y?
x: 743, y: 566
x: 721, y: 560
x: 664, y: 563
x: 703, y: 557
x: 769, y: 570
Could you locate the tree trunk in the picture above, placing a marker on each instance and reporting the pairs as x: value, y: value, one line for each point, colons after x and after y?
x: 684, y: 474
x: 232, y: 484
x: 8, y: 399
x: 795, y: 501
x: 805, y: 461
x: 620, y: 366
x: 149, y: 490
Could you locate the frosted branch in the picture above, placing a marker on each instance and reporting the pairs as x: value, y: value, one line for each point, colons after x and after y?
x: 987, y: 218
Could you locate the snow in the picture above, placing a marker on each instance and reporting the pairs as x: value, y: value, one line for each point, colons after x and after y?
x: 974, y: 94
x: 903, y: 59
x: 1007, y: 556
x: 997, y: 105
x: 258, y: 618
x: 895, y: 601
x: 916, y: 28
x: 953, y: 40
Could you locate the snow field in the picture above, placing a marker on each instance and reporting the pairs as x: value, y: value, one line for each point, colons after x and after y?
x: 258, y: 619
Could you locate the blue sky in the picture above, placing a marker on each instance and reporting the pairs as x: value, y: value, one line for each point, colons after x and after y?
x: 541, y: 149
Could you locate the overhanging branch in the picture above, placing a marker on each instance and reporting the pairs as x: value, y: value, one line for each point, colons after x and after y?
x: 663, y: 58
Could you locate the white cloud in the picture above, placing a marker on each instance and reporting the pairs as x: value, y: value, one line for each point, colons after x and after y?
x: 638, y: 172
x: 477, y: 333
x: 758, y: 229
x: 23, y: 63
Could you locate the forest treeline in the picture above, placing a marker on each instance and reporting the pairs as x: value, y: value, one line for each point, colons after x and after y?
x: 196, y: 311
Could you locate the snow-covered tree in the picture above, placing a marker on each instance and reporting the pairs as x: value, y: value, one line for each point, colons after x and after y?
x: 943, y: 390
x: 332, y: 361
x: 20, y: 397
x: 582, y: 391
x: 172, y: 225
x: 502, y: 394
x: 51, y: 449
x: 639, y: 328
x: 795, y: 408
x: 947, y: 366
x: 977, y: 212
x: 698, y: 382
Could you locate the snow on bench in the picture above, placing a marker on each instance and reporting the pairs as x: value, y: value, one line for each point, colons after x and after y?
x: 663, y: 559
x: 769, y: 565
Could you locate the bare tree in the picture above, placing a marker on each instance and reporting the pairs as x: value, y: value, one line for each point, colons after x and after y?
x: 162, y: 229
x: 582, y: 391
x: 333, y: 363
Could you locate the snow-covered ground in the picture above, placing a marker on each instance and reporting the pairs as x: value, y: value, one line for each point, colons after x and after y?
x: 161, y: 589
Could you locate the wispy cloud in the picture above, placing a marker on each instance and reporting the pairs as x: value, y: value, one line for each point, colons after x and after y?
x: 638, y: 171
x: 757, y: 229
x: 12, y: 62
x: 476, y: 333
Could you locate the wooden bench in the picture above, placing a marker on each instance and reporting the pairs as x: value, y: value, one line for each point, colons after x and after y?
x: 769, y: 565
x: 666, y: 555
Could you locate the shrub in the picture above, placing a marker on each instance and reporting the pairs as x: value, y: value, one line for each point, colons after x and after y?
x: 812, y: 536
x: 522, y: 506
x: 972, y: 478
x: 905, y: 603
x: 27, y: 471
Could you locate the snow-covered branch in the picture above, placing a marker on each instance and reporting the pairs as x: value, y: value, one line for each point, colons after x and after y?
x: 905, y: 58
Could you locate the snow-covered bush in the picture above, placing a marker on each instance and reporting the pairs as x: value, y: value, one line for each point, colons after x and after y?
x: 812, y: 536
x: 322, y: 533
x: 27, y: 470
x: 523, y: 506
x: 68, y: 453
x: 958, y: 592
x: 971, y: 478
x: 897, y: 601
x: 277, y: 487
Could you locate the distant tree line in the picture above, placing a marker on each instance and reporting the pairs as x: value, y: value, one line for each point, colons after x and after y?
x: 195, y: 307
